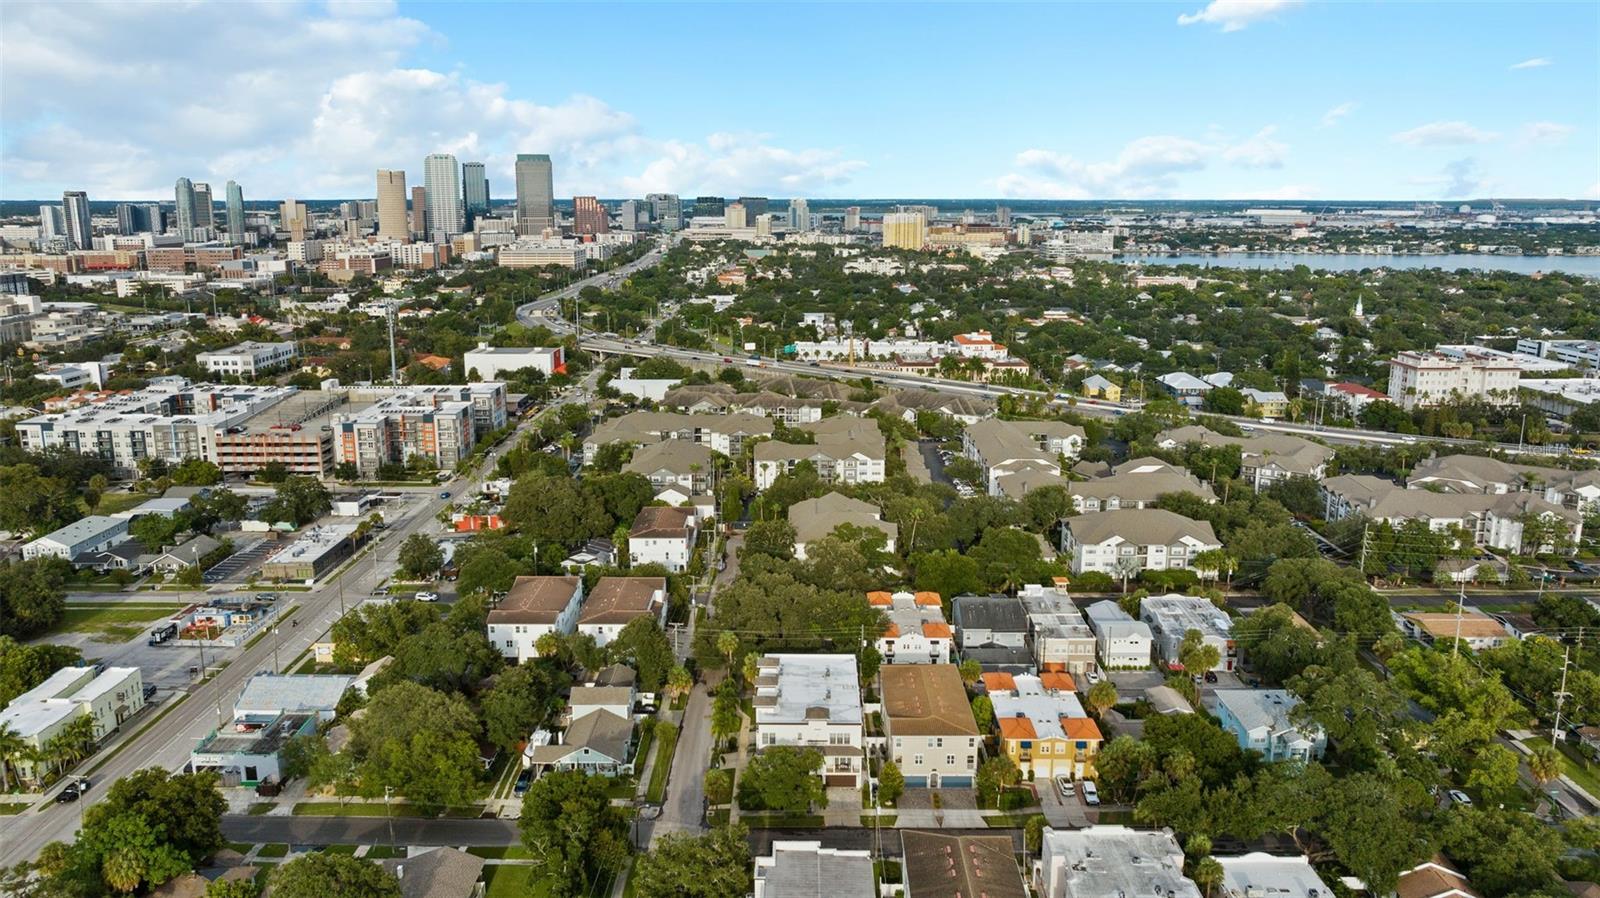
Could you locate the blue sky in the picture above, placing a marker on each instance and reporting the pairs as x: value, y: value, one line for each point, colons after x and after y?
x: 1261, y: 99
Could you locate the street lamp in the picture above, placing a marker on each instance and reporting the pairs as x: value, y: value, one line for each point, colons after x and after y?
x: 387, y: 792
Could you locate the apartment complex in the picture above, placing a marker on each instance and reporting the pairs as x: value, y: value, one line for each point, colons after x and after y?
x: 1130, y: 541
x: 722, y: 433
x: 846, y: 450
x: 1431, y: 378
x: 1008, y: 448
x: 813, y: 701
x: 815, y: 519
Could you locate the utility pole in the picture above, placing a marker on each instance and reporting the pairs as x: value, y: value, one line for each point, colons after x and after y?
x: 1366, y: 530
x: 1561, y: 695
x: 388, y: 791
x: 1461, y: 607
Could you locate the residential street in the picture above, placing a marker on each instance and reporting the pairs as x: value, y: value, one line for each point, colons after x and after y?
x: 684, y: 807
x: 369, y: 831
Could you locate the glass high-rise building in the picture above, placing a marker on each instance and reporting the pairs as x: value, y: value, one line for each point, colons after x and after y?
x: 235, y: 211
x: 127, y: 218
x: 709, y: 205
x: 441, y: 184
x: 536, y: 196
x: 75, y: 215
x: 474, y: 190
x: 392, y: 222
x: 667, y: 210
x: 799, y: 215
x: 205, y: 208
x: 184, y: 218
x: 754, y: 207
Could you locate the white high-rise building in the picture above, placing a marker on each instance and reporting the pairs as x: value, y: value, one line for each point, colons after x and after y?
x: 667, y: 210
x: 392, y: 222
x: 799, y: 215
x: 441, y: 184
x: 75, y: 211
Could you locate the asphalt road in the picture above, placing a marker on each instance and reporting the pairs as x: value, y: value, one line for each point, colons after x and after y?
x: 683, y: 809
x: 167, y: 743
x: 369, y: 831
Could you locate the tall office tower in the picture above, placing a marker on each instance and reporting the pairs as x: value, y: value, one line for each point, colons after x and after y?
x: 709, y: 205
x: 764, y: 225
x: 628, y: 214
x: 367, y: 209
x: 441, y: 182
x: 75, y: 211
x: 905, y: 230
x: 184, y: 219
x: 852, y: 218
x: 800, y: 215
x: 205, y: 211
x: 52, y: 222
x: 235, y: 212
x: 1002, y: 216
x: 419, y: 211
x: 474, y: 190
x: 667, y: 210
x: 392, y: 205
x: 150, y: 218
x: 734, y: 216
x: 536, y: 193
x: 127, y: 218
x: 349, y: 210
x: 295, y: 218
x: 754, y: 207
x: 589, y: 216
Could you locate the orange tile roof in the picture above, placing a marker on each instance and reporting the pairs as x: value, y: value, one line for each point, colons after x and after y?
x: 879, y: 599
x: 1051, y: 665
x: 937, y: 630
x: 1057, y: 680
x: 928, y: 598
x: 1061, y: 581
x: 999, y: 682
x: 1081, y: 728
x: 892, y: 631
x: 1017, y: 728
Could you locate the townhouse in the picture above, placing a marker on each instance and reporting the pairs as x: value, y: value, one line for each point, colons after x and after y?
x: 813, y: 701
x: 1009, y: 447
x: 993, y: 631
x: 1172, y: 616
x: 1260, y: 720
x: 929, y: 729
x: 1111, y: 862
x: 1136, y: 483
x: 1263, y: 460
x: 664, y: 536
x: 1121, y: 642
x: 815, y: 519
x: 674, y: 463
x: 1061, y: 638
x: 1043, y: 727
x: 1129, y: 541
x: 916, y: 631
x: 616, y: 602
x: 533, y: 607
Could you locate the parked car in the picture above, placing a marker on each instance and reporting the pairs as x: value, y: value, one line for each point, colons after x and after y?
x: 1092, y: 675
x: 427, y: 597
x: 444, y: 494
x: 1091, y: 795
x: 74, y: 791
x: 1459, y: 797
x: 1065, y: 785
x: 149, y: 691
x: 524, y: 779
x: 1211, y: 676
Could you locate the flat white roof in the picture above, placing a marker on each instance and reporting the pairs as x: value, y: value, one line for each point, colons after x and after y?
x: 64, y: 680
x: 107, y: 681
x: 34, y: 718
x: 1259, y: 873
x: 808, y: 682
x: 312, y: 544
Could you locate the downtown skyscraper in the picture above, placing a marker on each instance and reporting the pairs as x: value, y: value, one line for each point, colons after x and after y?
x: 474, y: 190
x: 75, y: 212
x: 536, y: 196
x: 392, y: 222
x: 205, y: 208
x: 184, y: 194
x: 235, y: 212
x: 667, y: 210
x: 441, y: 184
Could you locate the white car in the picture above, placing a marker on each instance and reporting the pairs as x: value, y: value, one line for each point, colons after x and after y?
x: 427, y: 597
x: 1092, y: 675
x: 1091, y: 795
x: 1459, y: 797
x: 1065, y: 785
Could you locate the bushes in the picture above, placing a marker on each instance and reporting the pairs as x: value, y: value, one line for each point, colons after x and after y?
x: 1170, y: 581
x: 1093, y: 581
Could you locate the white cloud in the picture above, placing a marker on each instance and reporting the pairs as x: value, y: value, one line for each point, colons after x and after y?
x: 1457, y: 180
x: 1537, y: 62
x: 1147, y: 167
x: 1545, y: 133
x: 1333, y: 116
x: 1233, y: 15
x: 1258, y: 151
x: 1444, y: 134
x: 332, y: 102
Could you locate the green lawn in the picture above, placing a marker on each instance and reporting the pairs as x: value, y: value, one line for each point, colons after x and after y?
x: 363, y: 809
x: 276, y: 849
x: 111, y: 503
x: 377, y: 852
x: 339, y: 849
x: 14, y: 808
x: 1581, y: 771
x: 782, y: 821
x: 513, y: 881
x: 1007, y: 821
x: 501, y: 852
x: 117, y: 622
x: 257, y: 808
x: 666, y: 746
x: 242, y: 847
x: 882, y: 821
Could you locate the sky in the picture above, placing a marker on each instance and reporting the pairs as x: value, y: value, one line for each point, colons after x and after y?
x: 1227, y: 99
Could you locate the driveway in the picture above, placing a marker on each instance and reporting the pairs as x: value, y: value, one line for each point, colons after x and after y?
x: 683, y: 809
x: 1062, y: 812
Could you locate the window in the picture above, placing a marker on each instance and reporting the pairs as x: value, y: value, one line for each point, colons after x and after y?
x: 916, y: 760
x: 938, y: 742
x: 950, y: 760
x: 838, y: 738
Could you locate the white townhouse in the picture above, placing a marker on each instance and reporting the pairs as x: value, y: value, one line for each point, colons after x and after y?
x: 533, y: 607
x: 813, y: 701
x: 1153, y: 539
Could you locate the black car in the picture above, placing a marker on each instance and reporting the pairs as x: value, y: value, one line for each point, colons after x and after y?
x: 1211, y: 676
x: 74, y: 791
x: 523, y: 781
x: 149, y: 690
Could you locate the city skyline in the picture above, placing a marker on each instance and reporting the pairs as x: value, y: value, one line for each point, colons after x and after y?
x: 1183, y: 100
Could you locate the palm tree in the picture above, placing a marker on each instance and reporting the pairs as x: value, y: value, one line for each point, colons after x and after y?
x: 1544, y: 763
x: 12, y: 748
x: 1127, y: 566
x: 679, y: 682
x: 727, y: 644
x: 80, y: 738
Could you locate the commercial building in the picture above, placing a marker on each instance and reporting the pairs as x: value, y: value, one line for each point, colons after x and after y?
x: 905, y: 230
x: 1129, y: 541
x: 815, y: 519
x: 1259, y: 719
x: 392, y: 223
x: 617, y: 602
x: 474, y: 190
x: 666, y: 210
x: 248, y: 359
x: 272, y: 710
x: 807, y: 870
x: 916, y: 631
x: 37, y: 716
x: 75, y: 212
x: 441, y: 179
x: 589, y: 216
x: 929, y: 729
x: 492, y: 361
x: 1043, y: 727
x: 664, y: 536
x: 1121, y: 642
x: 1579, y: 354
x: 541, y: 253
x: 184, y: 213
x: 1172, y: 616
x: 1111, y: 862
x: 813, y: 701
x: 419, y: 210
x: 533, y: 607
x: 535, y: 194
x: 94, y: 533
x: 315, y: 551
x: 1431, y: 378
